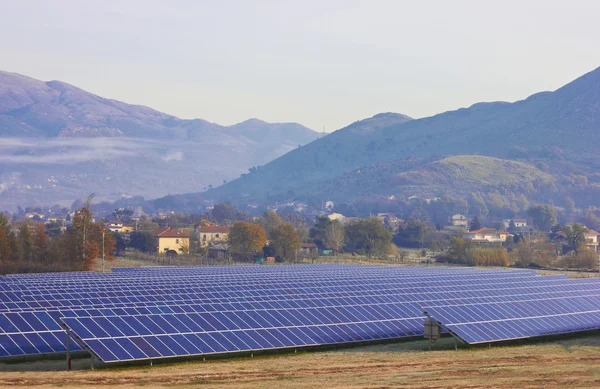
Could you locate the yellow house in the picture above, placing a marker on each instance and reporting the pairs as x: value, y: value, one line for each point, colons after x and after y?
x: 127, y: 229
x: 172, y: 240
x: 209, y: 235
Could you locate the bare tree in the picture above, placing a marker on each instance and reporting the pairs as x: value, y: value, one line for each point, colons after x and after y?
x: 334, y: 236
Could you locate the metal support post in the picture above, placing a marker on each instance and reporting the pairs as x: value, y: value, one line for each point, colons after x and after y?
x: 68, y: 349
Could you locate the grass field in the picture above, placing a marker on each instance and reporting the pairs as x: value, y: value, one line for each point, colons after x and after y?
x: 571, y: 363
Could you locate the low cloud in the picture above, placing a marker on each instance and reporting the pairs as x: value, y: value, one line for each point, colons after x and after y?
x: 173, y: 156
x: 70, y: 150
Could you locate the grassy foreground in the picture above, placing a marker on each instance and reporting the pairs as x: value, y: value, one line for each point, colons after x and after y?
x: 573, y: 363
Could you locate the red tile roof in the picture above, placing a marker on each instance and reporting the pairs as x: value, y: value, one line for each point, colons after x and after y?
x: 169, y: 233
x: 213, y: 229
x: 308, y: 246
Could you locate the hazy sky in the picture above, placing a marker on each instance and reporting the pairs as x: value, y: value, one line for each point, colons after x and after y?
x: 320, y: 63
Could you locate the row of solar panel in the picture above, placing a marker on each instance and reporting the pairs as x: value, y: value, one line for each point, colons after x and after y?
x: 194, y: 279
x: 242, y: 285
x: 284, y: 289
x: 50, y: 320
x: 479, y: 322
x: 469, y: 290
x: 496, y: 331
x: 153, y: 346
x: 14, y: 345
x: 42, y: 321
x: 254, y: 276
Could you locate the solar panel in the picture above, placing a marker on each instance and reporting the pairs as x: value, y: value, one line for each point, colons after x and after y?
x: 501, y: 321
x: 157, y: 312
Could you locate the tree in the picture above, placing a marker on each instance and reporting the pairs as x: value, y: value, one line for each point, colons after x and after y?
x: 368, y: 236
x: 5, y: 250
x: 334, y: 236
x: 543, y: 216
x: 3, y: 220
x: 25, y: 242
x: 411, y: 233
x: 303, y: 232
x: 120, y: 244
x: 317, y: 233
x: 512, y: 228
x: 285, y: 241
x: 224, y: 213
x: 247, y: 239
x: 143, y: 241
x: 86, y: 240
x: 15, y: 248
x: 475, y: 224
x: 272, y: 221
x: 590, y: 218
x: 575, y: 237
x: 569, y: 206
x: 184, y: 247
x: 123, y: 215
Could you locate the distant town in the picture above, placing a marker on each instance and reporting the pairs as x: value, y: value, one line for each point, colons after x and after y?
x: 296, y: 232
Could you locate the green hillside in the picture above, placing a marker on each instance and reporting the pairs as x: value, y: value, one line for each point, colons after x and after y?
x: 457, y: 176
x: 555, y: 129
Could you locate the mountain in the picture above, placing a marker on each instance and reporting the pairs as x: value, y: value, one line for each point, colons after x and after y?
x: 555, y: 130
x: 59, y: 143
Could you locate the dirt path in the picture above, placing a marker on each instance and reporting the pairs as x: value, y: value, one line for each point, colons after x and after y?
x: 534, y: 366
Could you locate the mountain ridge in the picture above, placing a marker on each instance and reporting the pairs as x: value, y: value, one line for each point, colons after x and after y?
x: 547, y: 126
x: 158, y: 149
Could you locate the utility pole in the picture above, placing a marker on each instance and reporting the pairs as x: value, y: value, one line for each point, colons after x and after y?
x: 102, y: 251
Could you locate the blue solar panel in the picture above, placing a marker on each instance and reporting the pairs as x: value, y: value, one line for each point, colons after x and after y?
x: 160, y: 312
x: 500, y: 321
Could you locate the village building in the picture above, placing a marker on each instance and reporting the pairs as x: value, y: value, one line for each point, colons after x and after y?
x: 309, y: 248
x: 209, y: 235
x: 458, y: 220
x: 115, y: 227
x: 591, y: 240
x: 487, y: 235
x: 520, y: 224
x: 170, y: 240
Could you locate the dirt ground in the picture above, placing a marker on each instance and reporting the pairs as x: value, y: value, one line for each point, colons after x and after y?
x: 573, y: 363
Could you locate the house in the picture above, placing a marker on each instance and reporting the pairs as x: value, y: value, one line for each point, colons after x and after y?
x: 458, y: 220
x: 389, y: 220
x: 218, y: 251
x: 209, y: 235
x: 126, y: 229
x: 309, y: 248
x: 170, y: 240
x: 335, y: 216
x: 115, y: 227
x: 520, y: 224
x: 591, y: 240
x: 487, y: 235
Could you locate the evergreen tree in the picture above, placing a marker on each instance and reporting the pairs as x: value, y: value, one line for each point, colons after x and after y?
x: 475, y: 224
x: 25, y: 243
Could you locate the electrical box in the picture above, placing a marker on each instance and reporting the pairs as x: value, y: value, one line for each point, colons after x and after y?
x: 432, y: 329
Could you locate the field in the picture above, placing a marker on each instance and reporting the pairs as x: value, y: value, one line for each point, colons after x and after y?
x: 570, y: 363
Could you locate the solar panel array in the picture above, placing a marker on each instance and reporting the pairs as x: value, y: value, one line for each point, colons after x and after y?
x: 161, y: 312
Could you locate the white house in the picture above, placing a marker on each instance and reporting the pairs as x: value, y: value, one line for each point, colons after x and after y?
x: 591, y: 240
x: 487, y: 235
x: 519, y: 223
x: 458, y: 220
